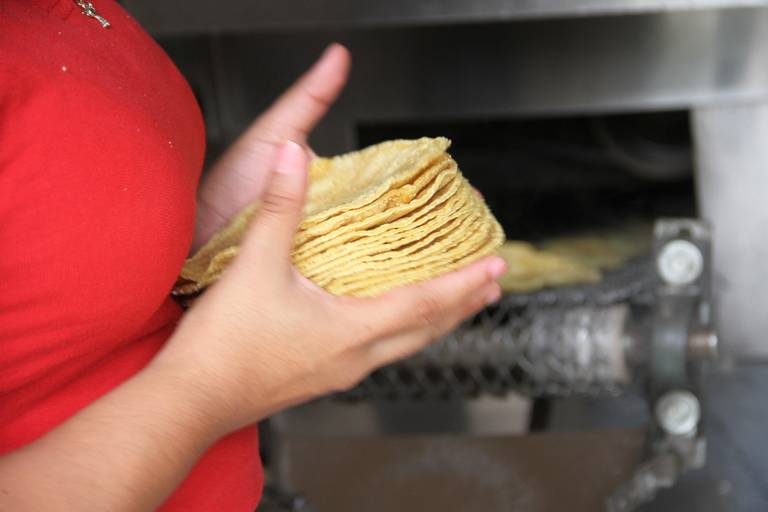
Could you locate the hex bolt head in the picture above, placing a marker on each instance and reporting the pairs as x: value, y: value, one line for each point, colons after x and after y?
x: 680, y: 262
x: 678, y: 412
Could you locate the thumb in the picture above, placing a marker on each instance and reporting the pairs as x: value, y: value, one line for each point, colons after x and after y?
x: 273, y: 230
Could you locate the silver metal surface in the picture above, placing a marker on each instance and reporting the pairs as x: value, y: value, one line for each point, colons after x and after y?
x: 655, y: 61
x: 732, y: 182
x: 201, y: 15
x: 678, y: 412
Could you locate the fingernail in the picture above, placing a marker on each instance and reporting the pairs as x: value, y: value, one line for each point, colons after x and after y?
x: 292, y: 158
x: 493, y: 297
x: 334, y: 46
x: 323, y: 60
x: 331, y: 47
x: 497, y: 267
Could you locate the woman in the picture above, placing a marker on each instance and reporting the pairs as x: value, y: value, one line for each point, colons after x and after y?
x: 109, y: 398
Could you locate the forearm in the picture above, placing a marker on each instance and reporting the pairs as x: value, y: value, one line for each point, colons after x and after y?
x: 126, y: 451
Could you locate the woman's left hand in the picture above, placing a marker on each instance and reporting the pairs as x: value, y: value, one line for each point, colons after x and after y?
x: 238, y: 178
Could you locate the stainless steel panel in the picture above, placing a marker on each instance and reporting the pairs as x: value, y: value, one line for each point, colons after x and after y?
x: 656, y: 61
x: 203, y: 15
x: 732, y: 182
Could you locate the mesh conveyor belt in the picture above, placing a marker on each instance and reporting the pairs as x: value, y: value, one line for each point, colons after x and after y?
x: 558, y: 341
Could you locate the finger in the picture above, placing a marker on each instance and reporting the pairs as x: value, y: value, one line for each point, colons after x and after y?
x: 485, y: 295
x: 425, y: 303
x: 408, y: 343
x: 299, y: 109
x: 274, y: 227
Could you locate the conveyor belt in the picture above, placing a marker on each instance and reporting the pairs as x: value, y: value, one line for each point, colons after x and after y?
x: 559, y: 341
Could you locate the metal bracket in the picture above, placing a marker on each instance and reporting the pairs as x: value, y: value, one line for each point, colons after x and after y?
x: 682, y: 337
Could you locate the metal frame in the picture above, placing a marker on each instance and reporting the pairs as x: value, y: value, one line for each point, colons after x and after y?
x: 191, y: 16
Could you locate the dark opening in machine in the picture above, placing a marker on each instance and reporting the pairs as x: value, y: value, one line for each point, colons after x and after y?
x: 554, y: 176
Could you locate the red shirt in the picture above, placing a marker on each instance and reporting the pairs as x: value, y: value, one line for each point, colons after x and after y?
x: 101, y: 146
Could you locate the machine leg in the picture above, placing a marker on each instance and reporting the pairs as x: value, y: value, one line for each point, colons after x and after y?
x: 731, y: 149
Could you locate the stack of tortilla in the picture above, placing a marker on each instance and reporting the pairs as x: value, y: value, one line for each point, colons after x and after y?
x: 581, y: 258
x: 389, y: 215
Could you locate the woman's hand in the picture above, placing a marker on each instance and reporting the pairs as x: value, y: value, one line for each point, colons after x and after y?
x: 264, y: 337
x: 239, y: 176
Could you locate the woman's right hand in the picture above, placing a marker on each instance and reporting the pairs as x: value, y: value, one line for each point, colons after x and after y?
x: 264, y: 337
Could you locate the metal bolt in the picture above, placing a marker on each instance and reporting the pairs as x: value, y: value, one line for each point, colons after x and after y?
x: 678, y: 412
x: 703, y: 345
x: 680, y: 262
